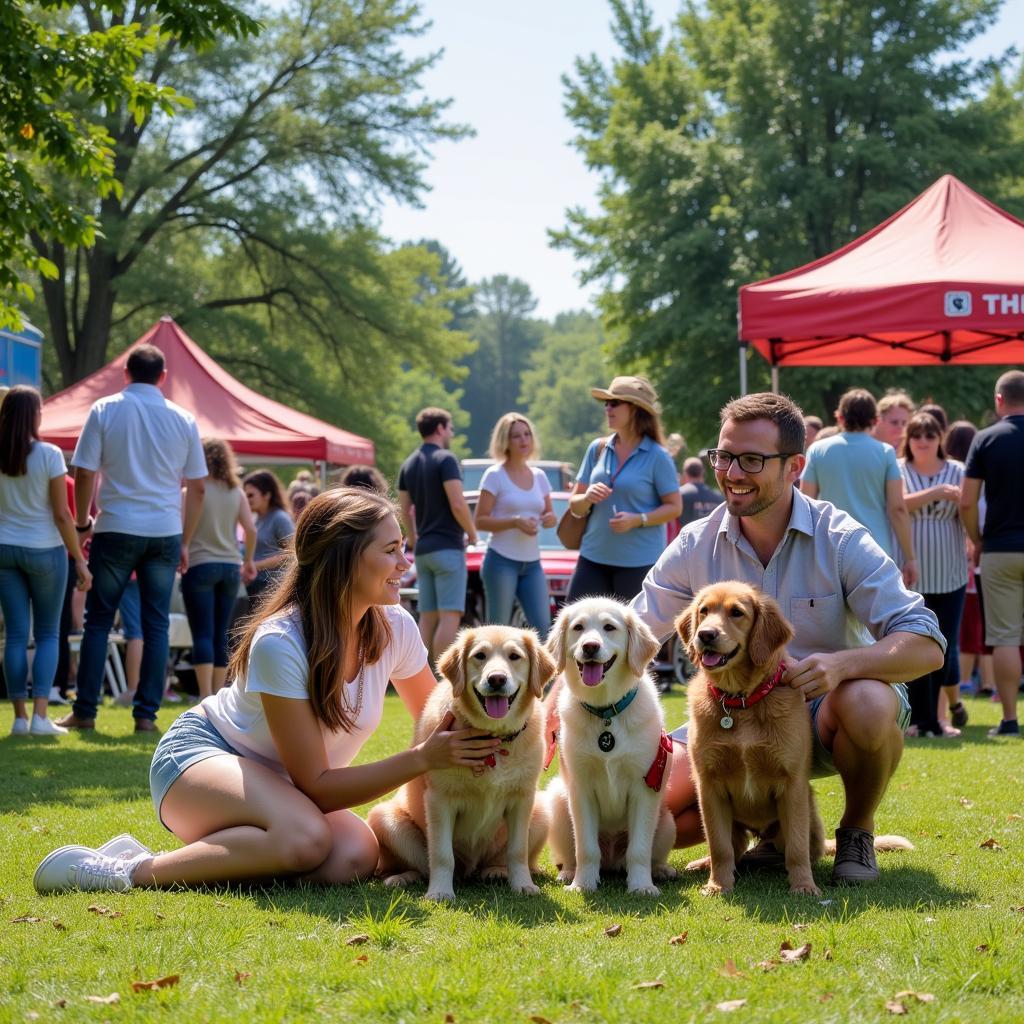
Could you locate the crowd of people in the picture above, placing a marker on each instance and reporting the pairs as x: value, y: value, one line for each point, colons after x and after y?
x: 871, y: 547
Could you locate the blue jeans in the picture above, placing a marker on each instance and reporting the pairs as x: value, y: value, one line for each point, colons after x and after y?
x: 505, y: 579
x: 31, y: 579
x: 113, y: 557
x: 209, y: 591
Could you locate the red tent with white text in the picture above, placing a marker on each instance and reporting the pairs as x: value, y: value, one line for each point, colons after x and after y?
x: 254, y: 425
x: 941, y: 281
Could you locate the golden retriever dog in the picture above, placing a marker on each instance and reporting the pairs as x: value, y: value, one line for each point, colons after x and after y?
x: 485, y: 821
x: 750, y: 740
x: 608, y: 805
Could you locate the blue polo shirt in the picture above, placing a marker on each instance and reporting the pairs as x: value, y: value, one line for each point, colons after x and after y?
x: 647, y: 474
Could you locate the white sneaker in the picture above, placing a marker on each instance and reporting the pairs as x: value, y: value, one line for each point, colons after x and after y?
x: 123, y: 846
x: 20, y: 727
x: 44, y: 727
x: 78, y: 867
x: 56, y: 698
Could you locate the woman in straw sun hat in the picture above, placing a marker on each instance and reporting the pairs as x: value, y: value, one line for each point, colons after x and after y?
x: 627, y: 489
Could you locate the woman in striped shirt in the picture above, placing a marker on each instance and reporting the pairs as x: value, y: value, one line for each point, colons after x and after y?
x: 931, y: 489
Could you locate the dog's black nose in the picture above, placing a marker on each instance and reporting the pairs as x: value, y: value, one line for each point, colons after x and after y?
x: 708, y: 635
x: 590, y: 649
x: 497, y: 680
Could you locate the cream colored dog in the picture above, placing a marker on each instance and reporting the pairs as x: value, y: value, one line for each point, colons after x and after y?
x: 614, y: 755
x: 485, y: 821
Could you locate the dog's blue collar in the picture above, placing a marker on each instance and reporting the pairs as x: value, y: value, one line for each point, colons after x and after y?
x: 611, y: 710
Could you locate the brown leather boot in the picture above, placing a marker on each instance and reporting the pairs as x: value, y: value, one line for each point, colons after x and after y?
x: 72, y: 721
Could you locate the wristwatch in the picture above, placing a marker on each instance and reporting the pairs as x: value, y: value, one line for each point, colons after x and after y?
x: 643, y: 518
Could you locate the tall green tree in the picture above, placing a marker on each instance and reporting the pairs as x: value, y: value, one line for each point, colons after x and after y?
x: 61, y: 78
x: 757, y: 136
x: 505, y: 336
x: 274, y: 175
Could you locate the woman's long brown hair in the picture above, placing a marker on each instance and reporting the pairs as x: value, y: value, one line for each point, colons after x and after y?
x: 18, y: 413
x: 331, y: 536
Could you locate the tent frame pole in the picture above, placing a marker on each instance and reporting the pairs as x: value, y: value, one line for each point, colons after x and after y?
x: 775, y: 380
x: 743, y: 368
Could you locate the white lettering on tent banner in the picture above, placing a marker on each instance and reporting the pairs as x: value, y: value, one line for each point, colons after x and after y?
x: 1003, y: 304
x: 958, y: 303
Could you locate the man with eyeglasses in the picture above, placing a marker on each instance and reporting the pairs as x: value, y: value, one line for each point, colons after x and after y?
x: 860, y: 634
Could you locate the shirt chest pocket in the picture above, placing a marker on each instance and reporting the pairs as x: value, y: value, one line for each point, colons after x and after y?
x: 819, y: 622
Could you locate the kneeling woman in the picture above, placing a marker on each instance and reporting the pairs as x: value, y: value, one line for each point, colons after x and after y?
x: 257, y: 779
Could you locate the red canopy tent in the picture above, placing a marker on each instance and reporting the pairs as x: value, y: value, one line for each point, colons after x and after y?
x: 254, y: 425
x: 940, y: 281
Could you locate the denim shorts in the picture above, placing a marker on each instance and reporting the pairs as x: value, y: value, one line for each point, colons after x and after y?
x: 441, y: 581
x: 191, y: 739
x: 822, y: 764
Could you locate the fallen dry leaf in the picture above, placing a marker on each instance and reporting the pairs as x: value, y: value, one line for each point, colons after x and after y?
x: 61, y: 1003
x: 242, y: 976
x: 801, y: 927
x: 769, y: 965
x: 649, y: 984
x: 538, y: 1019
x: 449, y: 1018
x: 792, y: 956
x: 921, y: 997
x: 828, y: 954
x: 612, y: 930
x: 825, y: 997
x: 730, y: 970
x: 106, y: 1000
x: 59, y: 925
x: 895, y: 1006
x: 1014, y: 817
x: 1017, y: 910
x: 577, y: 1005
x: 982, y: 948
x: 26, y: 919
x: 159, y: 916
x: 990, y: 844
x: 679, y: 940
x: 159, y: 983
x: 730, y: 1004
x: 357, y: 940
x: 964, y: 802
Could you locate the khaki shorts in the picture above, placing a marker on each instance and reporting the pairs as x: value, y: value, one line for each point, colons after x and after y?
x: 1002, y: 583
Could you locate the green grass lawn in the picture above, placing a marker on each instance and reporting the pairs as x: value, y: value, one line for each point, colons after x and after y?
x: 946, y: 920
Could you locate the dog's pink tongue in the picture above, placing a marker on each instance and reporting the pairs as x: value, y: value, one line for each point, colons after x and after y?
x: 711, y: 659
x: 593, y: 673
x: 496, y: 707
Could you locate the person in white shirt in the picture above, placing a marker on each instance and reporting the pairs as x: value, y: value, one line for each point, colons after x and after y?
x: 258, y: 779
x: 143, y: 446
x: 36, y: 536
x: 515, y: 502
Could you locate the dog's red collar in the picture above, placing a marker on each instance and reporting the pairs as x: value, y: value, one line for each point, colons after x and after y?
x: 732, y: 700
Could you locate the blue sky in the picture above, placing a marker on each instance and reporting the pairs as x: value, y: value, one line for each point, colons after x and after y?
x: 494, y: 197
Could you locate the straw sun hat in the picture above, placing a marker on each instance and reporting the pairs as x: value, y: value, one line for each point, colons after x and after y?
x: 637, y: 391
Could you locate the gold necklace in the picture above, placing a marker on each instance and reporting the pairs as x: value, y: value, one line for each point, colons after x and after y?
x: 354, y: 711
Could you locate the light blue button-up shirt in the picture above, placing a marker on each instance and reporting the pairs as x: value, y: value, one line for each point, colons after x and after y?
x: 833, y: 582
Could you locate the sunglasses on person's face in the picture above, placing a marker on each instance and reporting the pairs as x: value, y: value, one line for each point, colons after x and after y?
x: 926, y: 437
x: 613, y: 403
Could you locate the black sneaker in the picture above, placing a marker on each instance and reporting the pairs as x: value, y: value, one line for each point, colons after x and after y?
x: 958, y: 714
x: 1005, y: 728
x: 855, y: 857
x: 762, y: 857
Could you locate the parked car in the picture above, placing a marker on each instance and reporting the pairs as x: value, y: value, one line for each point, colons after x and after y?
x: 559, y: 474
x: 559, y: 564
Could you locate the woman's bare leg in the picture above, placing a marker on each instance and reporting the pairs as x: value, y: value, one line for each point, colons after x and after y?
x: 204, y: 679
x: 219, y: 676
x: 354, y: 854
x: 682, y: 800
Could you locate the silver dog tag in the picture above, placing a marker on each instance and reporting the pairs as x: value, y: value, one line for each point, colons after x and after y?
x: 725, y: 721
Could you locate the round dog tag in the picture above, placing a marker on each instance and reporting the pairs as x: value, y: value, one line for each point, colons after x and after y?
x: 725, y: 721
x: 606, y: 741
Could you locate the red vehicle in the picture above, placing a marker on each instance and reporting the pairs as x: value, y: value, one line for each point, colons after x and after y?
x: 559, y: 564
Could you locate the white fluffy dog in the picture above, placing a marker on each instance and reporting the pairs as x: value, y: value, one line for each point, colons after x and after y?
x: 614, y: 755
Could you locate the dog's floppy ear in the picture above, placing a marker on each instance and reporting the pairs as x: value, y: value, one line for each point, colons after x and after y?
x: 770, y: 631
x: 641, y: 643
x: 452, y: 664
x: 542, y: 665
x: 557, y: 642
x: 686, y: 624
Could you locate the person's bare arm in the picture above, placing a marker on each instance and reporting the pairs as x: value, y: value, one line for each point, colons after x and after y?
x: 408, y: 519
x: 85, y: 485
x: 970, y: 492
x: 58, y: 494
x: 896, y: 658
x: 899, y: 519
x: 940, y: 492
x: 249, y: 533
x: 460, y: 509
x: 299, y: 742
x: 195, y: 490
x: 670, y: 508
x: 484, y: 520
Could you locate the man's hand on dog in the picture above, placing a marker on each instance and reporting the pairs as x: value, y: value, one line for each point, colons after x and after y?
x: 445, y: 748
x: 815, y: 675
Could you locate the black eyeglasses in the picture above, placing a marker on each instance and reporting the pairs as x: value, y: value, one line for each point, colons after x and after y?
x: 750, y: 462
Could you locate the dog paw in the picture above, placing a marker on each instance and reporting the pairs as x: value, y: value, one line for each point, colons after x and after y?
x: 644, y: 890
x: 440, y: 895
x: 400, y: 881
x: 524, y: 888
x: 493, y: 874
x: 663, y: 873
x: 805, y: 888
x: 566, y: 875
x: 701, y: 864
x: 715, y: 889
x: 582, y: 885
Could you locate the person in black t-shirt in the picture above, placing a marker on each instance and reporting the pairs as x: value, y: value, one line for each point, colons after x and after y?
x: 995, y: 460
x: 437, y: 520
x: 699, y: 500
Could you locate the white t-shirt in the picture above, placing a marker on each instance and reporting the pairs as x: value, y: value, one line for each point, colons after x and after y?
x: 511, y: 500
x: 143, y: 445
x: 26, y: 515
x: 278, y: 665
